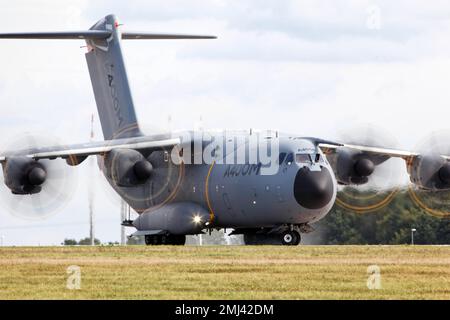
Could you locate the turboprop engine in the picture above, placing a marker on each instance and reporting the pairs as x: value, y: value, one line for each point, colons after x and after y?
x: 353, y: 167
x: 430, y: 172
x: 127, y: 167
x: 24, y: 175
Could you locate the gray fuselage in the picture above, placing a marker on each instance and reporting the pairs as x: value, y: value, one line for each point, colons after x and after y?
x: 236, y: 195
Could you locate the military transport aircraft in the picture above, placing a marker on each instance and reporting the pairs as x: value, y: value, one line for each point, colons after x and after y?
x: 184, y: 184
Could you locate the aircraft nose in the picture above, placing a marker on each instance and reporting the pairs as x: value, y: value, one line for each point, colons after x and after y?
x: 313, y: 189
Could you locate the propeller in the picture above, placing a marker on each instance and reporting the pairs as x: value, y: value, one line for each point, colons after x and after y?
x: 368, y: 182
x: 430, y: 174
x: 142, y: 178
x: 34, y: 189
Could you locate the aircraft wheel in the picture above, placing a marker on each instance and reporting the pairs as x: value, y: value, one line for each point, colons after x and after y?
x: 290, y: 238
x: 261, y: 239
x: 298, y: 238
x: 176, y: 240
x: 153, y: 240
x: 163, y: 239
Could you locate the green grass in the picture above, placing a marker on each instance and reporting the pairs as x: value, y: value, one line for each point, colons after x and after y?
x: 225, y: 272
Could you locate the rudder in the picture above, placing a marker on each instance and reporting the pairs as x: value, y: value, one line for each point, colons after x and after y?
x: 110, y: 83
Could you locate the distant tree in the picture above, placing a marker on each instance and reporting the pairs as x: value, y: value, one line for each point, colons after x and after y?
x: 390, y: 225
x: 69, y: 242
x: 87, y: 242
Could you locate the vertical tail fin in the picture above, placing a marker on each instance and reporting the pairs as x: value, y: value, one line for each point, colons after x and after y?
x: 110, y: 83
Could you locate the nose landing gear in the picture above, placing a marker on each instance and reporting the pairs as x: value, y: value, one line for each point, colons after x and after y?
x: 290, y: 238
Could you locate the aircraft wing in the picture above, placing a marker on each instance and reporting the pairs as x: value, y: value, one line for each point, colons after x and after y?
x: 93, y: 148
x: 331, y: 148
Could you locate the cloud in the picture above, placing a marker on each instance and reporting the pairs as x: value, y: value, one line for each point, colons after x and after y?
x: 305, y: 30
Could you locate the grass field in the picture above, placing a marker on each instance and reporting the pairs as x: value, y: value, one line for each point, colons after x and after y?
x: 225, y: 272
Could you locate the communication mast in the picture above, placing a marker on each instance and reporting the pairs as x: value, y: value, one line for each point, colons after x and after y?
x: 91, y: 189
x: 124, y: 212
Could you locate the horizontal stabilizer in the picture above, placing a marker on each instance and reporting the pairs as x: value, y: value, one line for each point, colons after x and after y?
x: 89, y: 34
x: 99, y: 34
x: 156, y: 36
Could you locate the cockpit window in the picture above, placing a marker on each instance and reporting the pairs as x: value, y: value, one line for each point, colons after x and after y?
x: 302, y: 157
x: 290, y: 158
x: 281, y: 157
x: 317, y: 158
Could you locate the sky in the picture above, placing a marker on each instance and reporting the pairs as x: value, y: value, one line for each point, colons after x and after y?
x: 314, y: 68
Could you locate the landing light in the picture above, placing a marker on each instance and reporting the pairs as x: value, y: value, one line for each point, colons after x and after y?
x: 197, y: 219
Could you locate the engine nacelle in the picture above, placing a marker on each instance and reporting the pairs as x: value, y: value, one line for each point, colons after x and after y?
x: 127, y: 167
x: 353, y: 167
x: 24, y: 175
x: 430, y: 172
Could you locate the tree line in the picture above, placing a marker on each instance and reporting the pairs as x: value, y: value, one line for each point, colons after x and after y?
x: 390, y: 224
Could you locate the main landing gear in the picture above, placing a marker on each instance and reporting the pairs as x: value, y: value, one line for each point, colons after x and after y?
x: 169, y: 239
x: 285, y: 236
